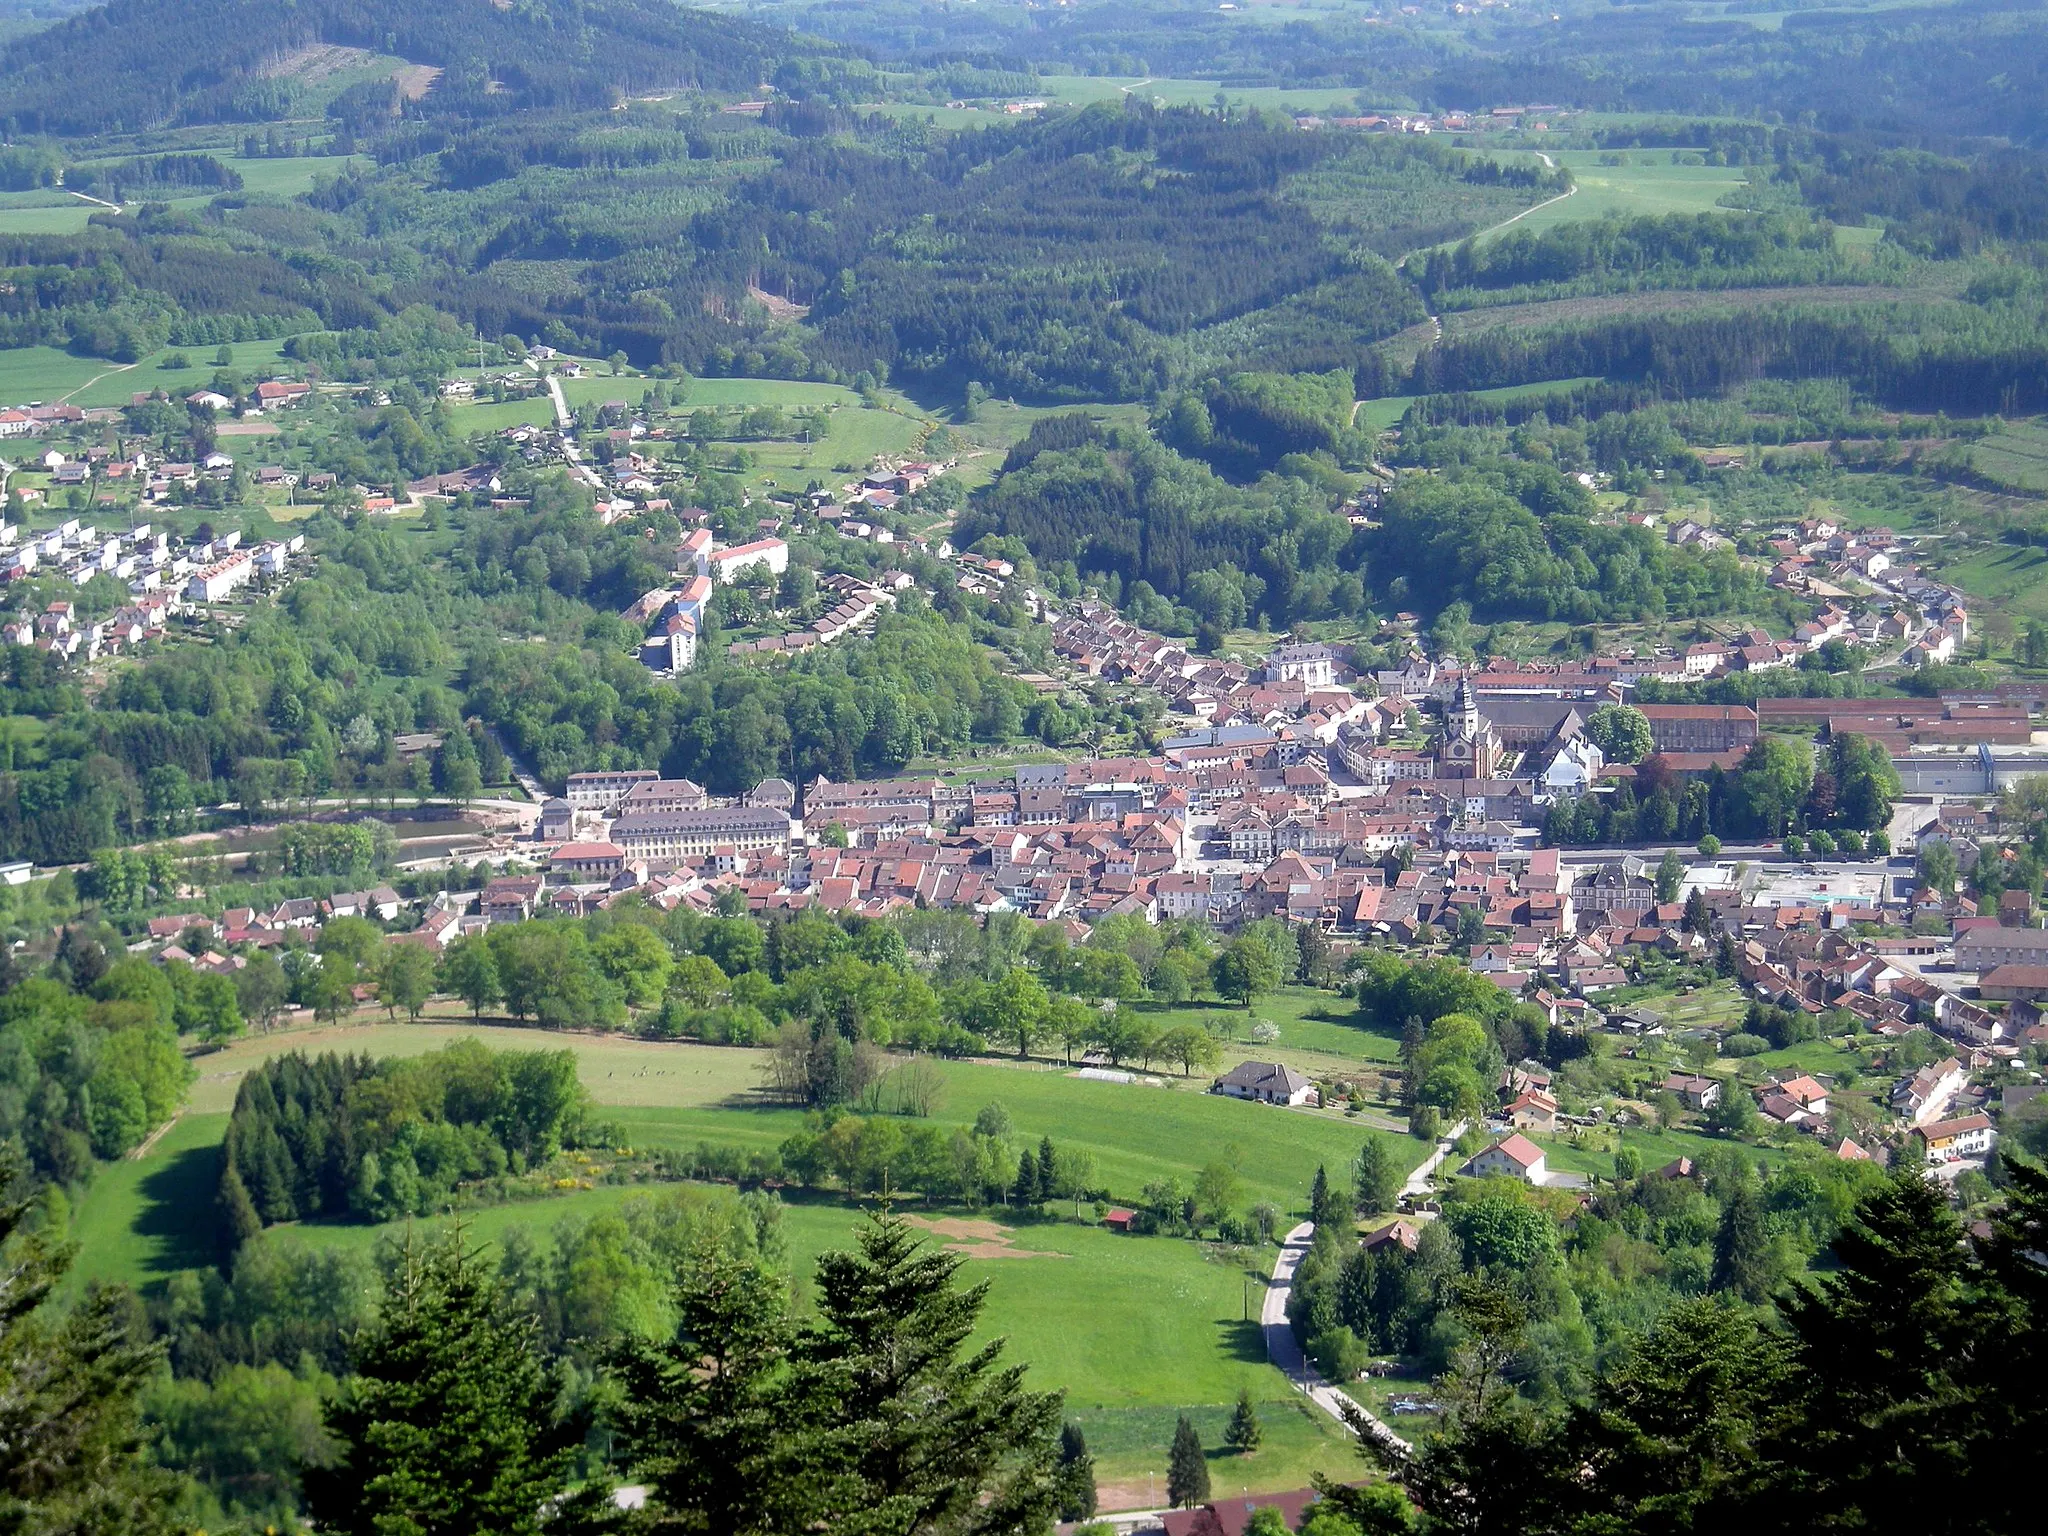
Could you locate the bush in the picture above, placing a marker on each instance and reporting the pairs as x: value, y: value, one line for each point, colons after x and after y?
x: 1710, y: 846
x: 1742, y: 1044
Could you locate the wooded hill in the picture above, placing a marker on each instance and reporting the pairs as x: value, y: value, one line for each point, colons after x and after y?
x: 137, y: 64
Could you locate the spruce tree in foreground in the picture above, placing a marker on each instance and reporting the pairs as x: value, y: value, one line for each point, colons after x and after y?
x: 449, y: 1426
x: 1076, y: 1475
x: 1242, y: 1434
x: 1187, y: 1470
x: 68, y: 1430
x: 1743, y: 1258
x: 877, y: 1420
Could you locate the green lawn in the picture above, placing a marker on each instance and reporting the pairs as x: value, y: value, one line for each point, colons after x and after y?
x: 1314, y: 1025
x: 1129, y: 1446
x: 1719, y: 1005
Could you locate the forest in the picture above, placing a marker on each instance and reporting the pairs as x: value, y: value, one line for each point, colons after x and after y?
x: 133, y: 64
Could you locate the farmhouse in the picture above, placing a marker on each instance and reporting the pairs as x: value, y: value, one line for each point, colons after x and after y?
x: 1266, y: 1081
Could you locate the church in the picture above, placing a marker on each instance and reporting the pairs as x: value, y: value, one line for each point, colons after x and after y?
x: 1470, y: 749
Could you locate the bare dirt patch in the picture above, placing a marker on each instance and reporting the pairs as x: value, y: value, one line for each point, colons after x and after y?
x: 415, y: 80
x: 977, y: 1239
x: 317, y: 61
x: 1131, y: 1493
x: 776, y: 305
x: 247, y: 429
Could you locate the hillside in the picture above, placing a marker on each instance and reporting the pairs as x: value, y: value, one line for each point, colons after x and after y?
x: 136, y: 64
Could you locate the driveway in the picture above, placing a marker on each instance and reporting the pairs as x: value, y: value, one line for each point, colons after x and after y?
x: 1418, y: 1181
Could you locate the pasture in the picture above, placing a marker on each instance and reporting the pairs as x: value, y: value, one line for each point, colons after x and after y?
x: 1645, y: 182
x: 33, y: 214
x: 2014, y: 457
x: 49, y: 374
x: 1388, y: 410
x: 288, y: 177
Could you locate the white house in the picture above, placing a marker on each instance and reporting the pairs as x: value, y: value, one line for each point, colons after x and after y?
x: 1516, y: 1157
x: 1266, y: 1081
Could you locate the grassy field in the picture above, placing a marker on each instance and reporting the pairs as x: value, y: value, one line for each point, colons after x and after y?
x: 144, y: 1219
x: 1655, y: 1148
x: 1718, y: 1005
x: 16, y: 219
x: 616, y: 1069
x: 2015, y: 456
x: 1134, y: 1330
x: 2011, y: 577
x: 1316, y: 1031
x: 48, y: 374
x: 1079, y: 90
x: 290, y: 177
x: 1388, y: 410
x: 45, y: 373
x: 1647, y: 183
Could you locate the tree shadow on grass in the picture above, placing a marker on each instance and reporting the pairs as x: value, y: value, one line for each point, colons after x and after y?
x: 1244, y: 1341
x: 179, y: 1214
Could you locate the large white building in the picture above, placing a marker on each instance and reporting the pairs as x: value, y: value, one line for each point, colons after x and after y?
x: 211, y: 583
x: 728, y: 563
x: 602, y: 791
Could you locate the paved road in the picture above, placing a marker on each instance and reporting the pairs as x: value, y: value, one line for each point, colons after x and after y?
x: 567, y: 422
x: 1282, y: 1350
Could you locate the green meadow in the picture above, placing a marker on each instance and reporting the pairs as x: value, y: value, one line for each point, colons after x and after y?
x: 1136, y: 1330
x: 1645, y: 183
x: 49, y: 374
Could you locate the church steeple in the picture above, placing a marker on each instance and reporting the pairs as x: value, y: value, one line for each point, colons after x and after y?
x: 1464, y: 719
